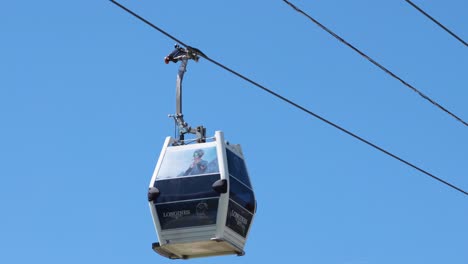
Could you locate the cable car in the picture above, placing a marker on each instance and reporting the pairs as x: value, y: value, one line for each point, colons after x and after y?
x: 200, y: 195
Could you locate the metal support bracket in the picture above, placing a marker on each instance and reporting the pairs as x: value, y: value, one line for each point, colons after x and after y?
x: 184, y: 55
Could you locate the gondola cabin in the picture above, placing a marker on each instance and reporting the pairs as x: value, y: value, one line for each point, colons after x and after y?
x: 201, y: 199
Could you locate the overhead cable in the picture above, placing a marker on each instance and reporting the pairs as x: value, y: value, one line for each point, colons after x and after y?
x: 437, y: 22
x: 377, y: 64
x: 297, y: 105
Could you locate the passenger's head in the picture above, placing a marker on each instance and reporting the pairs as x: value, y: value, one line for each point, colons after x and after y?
x: 198, y: 153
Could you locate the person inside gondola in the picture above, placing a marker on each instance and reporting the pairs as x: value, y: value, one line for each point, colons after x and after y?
x: 198, y: 165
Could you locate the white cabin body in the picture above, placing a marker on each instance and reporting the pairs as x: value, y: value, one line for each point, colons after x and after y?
x: 205, y: 202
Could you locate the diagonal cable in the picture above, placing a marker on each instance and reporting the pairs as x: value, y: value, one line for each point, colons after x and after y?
x: 437, y: 22
x: 149, y: 23
x: 377, y: 64
x: 299, y: 106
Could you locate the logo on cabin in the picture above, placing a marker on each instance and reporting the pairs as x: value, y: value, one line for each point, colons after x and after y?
x: 176, y: 214
x: 240, y: 220
x: 202, y: 208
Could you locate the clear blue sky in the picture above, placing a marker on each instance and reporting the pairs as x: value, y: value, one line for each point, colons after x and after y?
x: 84, y: 99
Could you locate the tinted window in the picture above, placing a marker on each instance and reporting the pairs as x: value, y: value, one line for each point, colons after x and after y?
x: 242, y: 195
x: 238, y: 219
x: 186, y: 188
x: 188, y: 213
x: 237, y: 168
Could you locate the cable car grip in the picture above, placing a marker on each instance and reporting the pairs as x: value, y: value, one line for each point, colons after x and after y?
x: 180, y: 53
